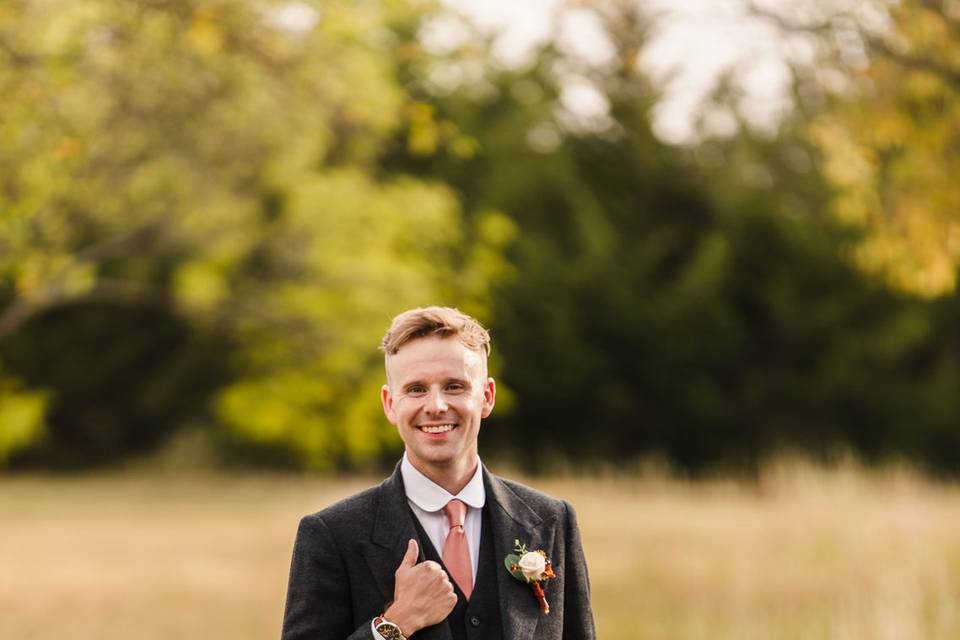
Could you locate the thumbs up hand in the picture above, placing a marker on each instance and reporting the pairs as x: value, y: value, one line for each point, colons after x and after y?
x: 422, y: 596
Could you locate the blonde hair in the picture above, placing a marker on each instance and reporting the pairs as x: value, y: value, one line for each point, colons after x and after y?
x: 444, y: 322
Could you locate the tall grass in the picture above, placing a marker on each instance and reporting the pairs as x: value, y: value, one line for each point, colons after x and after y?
x: 801, y: 553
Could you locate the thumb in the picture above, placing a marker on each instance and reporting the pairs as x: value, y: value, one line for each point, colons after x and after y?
x: 410, y: 557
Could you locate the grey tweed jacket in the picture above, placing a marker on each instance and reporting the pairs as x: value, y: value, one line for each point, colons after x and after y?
x: 345, y: 556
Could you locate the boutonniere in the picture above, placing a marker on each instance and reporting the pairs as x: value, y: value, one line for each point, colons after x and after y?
x: 532, y: 567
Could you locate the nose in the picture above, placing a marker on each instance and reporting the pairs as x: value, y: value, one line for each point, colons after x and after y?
x: 435, y: 402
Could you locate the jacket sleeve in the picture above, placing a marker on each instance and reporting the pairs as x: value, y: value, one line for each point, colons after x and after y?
x: 318, y: 594
x: 577, y: 613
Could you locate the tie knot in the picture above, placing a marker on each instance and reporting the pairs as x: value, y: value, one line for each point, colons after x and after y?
x: 456, y: 511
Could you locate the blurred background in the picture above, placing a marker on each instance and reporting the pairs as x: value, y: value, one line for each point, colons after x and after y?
x: 716, y: 243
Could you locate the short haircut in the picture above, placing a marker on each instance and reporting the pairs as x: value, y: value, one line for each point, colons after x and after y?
x: 444, y: 322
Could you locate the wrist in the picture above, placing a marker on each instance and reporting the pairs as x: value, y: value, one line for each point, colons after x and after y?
x: 387, y: 629
x: 399, y: 617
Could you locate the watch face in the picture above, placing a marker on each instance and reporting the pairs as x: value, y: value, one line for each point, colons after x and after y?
x: 389, y: 631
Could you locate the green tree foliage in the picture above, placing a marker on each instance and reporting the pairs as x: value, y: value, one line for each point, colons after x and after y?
x: 890, y: 138
x: 120, y: 380
x: 210, y: 162
x: 21, y: 414
x: 210, y: 210
x: 696, y: 305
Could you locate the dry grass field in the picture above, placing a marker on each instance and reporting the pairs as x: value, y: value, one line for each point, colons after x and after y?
x: 802, y: 553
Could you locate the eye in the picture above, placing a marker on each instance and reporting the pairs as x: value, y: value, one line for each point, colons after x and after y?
x: 456, y: 387
x: 416, y: 390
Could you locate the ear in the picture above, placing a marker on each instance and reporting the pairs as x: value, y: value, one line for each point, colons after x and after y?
x: 489, y: 397
x: 386, y: 399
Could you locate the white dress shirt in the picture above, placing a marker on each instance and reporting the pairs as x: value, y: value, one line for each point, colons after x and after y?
x: 427, y: 500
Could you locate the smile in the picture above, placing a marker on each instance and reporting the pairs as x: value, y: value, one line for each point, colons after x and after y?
x: 440, y: 428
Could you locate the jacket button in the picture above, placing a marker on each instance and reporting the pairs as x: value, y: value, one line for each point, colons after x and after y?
x: 475, y: 621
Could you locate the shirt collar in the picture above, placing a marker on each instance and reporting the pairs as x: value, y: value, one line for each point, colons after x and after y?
x: 430, y: 496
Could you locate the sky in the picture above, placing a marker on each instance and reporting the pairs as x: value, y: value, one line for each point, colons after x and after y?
x: 693, y: 42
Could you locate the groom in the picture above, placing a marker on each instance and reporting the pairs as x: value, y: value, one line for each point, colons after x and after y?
x: 422, y: 555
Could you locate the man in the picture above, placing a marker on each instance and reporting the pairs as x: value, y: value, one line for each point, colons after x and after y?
x: 423, y: 554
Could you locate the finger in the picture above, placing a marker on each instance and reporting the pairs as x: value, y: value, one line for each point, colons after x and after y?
x: 413, y: 552
x: 433, y: 569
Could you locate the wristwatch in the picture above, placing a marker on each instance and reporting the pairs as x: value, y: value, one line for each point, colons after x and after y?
x: 387, y: 629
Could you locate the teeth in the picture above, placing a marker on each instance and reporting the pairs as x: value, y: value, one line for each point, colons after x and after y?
x: 442, y: 428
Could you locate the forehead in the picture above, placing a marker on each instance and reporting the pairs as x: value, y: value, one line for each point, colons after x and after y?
x: 434, y: 356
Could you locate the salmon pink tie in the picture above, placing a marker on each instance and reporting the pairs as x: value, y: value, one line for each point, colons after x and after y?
x: 456, y: 554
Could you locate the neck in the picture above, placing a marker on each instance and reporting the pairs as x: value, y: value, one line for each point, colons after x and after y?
x: 453, y: 477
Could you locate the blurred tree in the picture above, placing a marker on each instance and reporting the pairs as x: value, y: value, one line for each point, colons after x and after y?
x: 21, y: 416
x: 891, y: 139
x: 211, y: 162
x: 210, y: 211
x: 693, y: 303
x: 122, y: 379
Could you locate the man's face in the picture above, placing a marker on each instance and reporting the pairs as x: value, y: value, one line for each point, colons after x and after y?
x: 437, y: 393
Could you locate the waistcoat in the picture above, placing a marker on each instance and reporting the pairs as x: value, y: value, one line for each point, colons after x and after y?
x: 478, y: 618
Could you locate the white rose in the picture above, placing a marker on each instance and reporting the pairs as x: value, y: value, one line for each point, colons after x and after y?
x: 532, y: 565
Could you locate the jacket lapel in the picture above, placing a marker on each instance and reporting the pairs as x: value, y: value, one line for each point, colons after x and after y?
x: 512, y: 519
